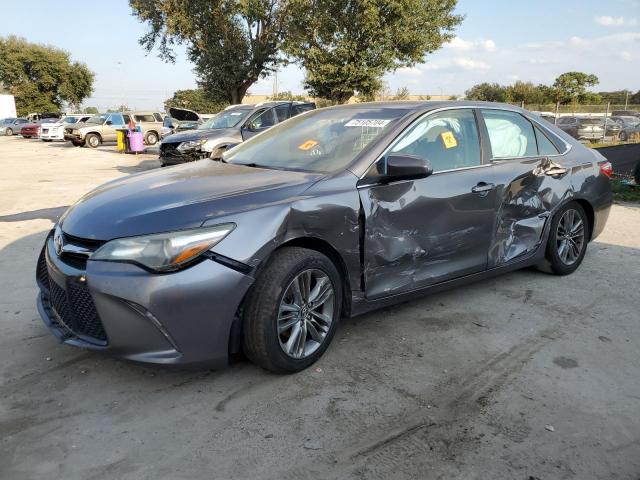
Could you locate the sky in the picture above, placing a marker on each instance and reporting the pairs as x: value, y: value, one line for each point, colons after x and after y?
x: 498, y: 41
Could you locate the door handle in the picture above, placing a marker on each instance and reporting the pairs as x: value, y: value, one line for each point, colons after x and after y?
x: 483, y: 188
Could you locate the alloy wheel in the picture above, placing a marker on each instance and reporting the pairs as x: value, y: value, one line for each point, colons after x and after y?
x: 570, y: 236
x: 305, y: 313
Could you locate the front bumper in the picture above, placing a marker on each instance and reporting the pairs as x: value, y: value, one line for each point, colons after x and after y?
x: 178, y: 318
x: 51, y: 134
x: 169, y: 154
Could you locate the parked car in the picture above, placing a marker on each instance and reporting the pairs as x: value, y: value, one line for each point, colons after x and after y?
x: 230, y: 127
x: 629, y: 126
x: 102, y: 128
x: 34, y: 117
x: 625, y: 113
x: 179, y: 120
x: 31, y: 130
x: 588, y: 128
x: 50, y: 131
x: 11, y: 126
x: 328, y: 215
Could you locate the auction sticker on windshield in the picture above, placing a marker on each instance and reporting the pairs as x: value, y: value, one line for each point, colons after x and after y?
x: 309, y: 144
x: 367, y: 122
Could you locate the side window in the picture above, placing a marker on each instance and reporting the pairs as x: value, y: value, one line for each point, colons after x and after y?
x: 510, y: 134
x: 545, y: 146
x: 265, y: 119
x: 282, y: 112
x: 144, y: 118
x: 448, y: 139
x: 116, y: 119
x: 158, y: 117
x: 298, y: 109
x: 126, y: 119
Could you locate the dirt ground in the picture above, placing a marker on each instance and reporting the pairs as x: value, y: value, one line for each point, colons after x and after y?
x: 526, y: 376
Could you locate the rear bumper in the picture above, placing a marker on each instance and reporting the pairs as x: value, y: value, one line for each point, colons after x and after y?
x: 178, y: 318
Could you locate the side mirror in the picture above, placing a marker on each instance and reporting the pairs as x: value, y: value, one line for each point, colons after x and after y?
x: 109, y: 122
x: 403, y: 167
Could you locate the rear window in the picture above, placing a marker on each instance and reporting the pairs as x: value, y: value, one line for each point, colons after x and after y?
x: 144, y: 118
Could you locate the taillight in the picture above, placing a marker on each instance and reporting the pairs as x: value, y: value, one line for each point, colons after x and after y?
x: 606, y: 168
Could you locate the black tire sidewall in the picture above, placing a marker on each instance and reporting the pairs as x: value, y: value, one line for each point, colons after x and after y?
x: 557, y: 265
x: 88, y: 138
x: 9, y: 132
x: 280, y: 275
x: 151, y: 135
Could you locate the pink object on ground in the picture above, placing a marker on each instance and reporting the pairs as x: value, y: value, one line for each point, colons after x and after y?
x: 136, y: 142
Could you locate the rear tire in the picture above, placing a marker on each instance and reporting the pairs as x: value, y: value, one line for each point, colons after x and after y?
x: 92, y: 140
x: 275, y: 316
x: 151, y: 138
x: 568, y: 238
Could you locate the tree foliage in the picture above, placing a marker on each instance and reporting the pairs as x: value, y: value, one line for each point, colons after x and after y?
x: 197, y: 100
x: 91, y: 110
x: 487, y: 92
x: 288, y: 96
x: 232, y: 43
x: 42, y: 78
x: 571, y: 87
x: 347, y: 46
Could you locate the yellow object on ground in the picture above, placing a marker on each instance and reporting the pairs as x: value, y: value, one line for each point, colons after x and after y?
x: 120, y: 140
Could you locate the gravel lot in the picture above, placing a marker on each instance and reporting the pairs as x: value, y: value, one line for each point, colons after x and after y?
x: 526, y: 376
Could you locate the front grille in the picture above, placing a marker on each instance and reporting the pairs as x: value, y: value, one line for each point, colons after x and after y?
x: 169, y: 150
x: 42, y: 275
x: 77, y: 311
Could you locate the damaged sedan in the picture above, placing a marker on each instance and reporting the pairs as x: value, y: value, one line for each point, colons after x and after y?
x: 328, y: 215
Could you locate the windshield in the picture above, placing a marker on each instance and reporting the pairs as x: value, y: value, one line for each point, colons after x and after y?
x: 318, y: 141
x: 7, y: 121
x: 70, y: 119
x: 98, y: 119
x: 226, y: 118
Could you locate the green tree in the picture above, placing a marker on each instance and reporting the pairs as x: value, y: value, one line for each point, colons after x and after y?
x: 232, y: 43
x: 42, y: 78
x: 347, y: 46
x: 488, y: 92
x: 526, y: 92
x: 288, y: 96
x: 197, y: 100
x: 571, y: 87
x: 91, y: 110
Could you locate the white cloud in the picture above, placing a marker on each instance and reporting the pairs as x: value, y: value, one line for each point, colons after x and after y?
x: 461, y: 45
x: 410, y: 71
x: 609, y: 21
x: 470, y: 64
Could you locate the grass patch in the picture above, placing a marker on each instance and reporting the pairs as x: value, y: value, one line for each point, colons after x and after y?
x: 624, y: 193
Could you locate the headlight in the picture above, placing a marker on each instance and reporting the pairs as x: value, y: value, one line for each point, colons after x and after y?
x: 164, y: 252
x: 186, y: 146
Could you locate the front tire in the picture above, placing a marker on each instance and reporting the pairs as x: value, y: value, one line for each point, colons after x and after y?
x: 8, y: 132
x: 568, y: 239
x: 92, y: 140
x: 292, y: 311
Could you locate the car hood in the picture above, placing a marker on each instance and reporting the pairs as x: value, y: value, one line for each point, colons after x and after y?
x: 183, y: 114
x: 177, y: 198
x: 192, y: 135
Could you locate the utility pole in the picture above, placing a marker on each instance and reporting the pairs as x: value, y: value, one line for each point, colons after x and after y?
x: 626, y: 101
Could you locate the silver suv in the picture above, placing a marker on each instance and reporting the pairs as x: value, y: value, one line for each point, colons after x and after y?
x: 102, y: 128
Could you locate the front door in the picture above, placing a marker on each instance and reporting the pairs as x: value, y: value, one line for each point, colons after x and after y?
x: 421, y: 232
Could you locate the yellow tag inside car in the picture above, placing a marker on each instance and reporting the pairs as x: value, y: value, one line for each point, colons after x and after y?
x: 308, y: 145
x: 449, y: 140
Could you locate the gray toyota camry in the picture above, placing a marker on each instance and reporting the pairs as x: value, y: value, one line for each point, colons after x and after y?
x: 329, y: 215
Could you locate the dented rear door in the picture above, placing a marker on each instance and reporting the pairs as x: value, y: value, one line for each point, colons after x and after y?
x: 529, y: 186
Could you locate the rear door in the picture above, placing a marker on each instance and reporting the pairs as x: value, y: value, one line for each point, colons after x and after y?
x: 531, y: 179
x: 422, y: 232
